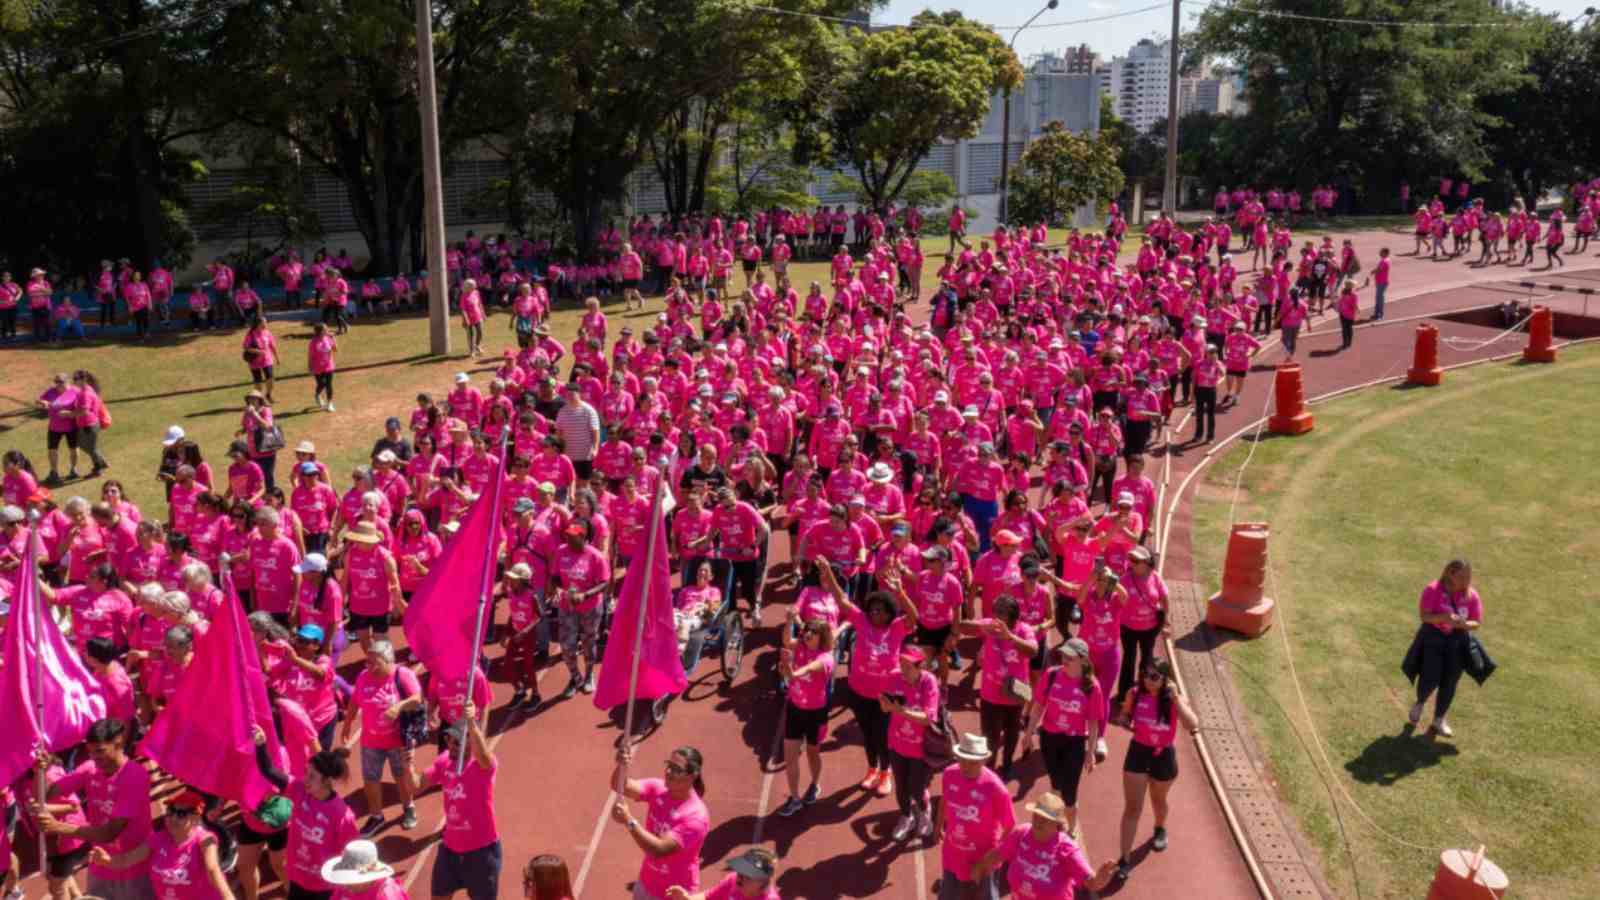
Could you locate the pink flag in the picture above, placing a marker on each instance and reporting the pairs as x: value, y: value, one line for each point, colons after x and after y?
x: 444, y: 608
x: 48, y: 695
x: 660, y: 666
x: 203, y: 737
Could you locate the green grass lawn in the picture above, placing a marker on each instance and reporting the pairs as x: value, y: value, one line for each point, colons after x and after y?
x: 1495, y: 466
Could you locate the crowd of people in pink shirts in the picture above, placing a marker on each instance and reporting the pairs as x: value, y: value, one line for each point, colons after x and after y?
x: 960, y: 471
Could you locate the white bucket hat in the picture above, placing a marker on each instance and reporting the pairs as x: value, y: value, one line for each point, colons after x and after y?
x: 358, y: 864
x: 972, y: 748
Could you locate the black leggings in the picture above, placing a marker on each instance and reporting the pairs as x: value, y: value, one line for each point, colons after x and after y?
x: 1002, y: 725
x: 1063, y: 761
x: 910, y: 781
x: 1105, y: 475
x: 1145, y: 643
x: 8, y: 322
x: 874, y: 724
x: 1347, y: 332
x: 1444, y: 658
x: 324, y: 384
x: 141, y: 322
x: 1205, y: 412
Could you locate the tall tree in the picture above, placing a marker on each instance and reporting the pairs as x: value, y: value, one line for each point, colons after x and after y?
x: 903, y: 90
x: 336, y: 81
x: 1544, y: 131
x: 1061, y: 171
x: 1356, y: 100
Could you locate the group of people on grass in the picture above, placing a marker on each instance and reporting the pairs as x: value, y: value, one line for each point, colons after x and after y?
x: 963, y: 487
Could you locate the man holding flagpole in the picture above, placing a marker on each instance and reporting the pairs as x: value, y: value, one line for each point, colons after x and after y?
x: 116, y: 794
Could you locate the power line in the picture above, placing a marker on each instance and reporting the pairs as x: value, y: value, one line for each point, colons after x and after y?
x: 1340, y: 20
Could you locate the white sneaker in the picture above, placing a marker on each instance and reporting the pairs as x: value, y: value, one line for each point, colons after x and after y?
x: 1442, y: 728
x: 1101, y: 751
x: 330, y: 406
x: 1416, y: 713
x: 924, y: 825
x: 902, y: 828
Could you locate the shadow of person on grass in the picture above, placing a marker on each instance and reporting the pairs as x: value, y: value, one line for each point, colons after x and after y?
x: 1390, y: 758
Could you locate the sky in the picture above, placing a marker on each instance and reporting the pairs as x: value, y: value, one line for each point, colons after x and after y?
x: 1111, y: 37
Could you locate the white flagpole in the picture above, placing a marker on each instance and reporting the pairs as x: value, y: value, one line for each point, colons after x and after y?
x: 638, y: 631
x: 484, y: 586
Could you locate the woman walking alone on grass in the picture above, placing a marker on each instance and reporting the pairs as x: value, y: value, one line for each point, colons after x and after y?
x: 1450, y: 611
x: 261, y: 354
x: 320, y: 361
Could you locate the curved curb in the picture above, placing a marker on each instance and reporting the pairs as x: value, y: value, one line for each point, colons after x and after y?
x: 1242, y: 833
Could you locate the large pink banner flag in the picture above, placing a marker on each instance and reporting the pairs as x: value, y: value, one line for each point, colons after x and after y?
x: 49, y: 697
x: 648, y: 584
x: 204, y: 736
x: 443, y: 611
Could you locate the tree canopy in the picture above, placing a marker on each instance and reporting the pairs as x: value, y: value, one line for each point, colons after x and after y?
x: 1061, y: 171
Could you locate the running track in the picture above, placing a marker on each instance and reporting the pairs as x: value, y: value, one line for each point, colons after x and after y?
x: 552, y: 794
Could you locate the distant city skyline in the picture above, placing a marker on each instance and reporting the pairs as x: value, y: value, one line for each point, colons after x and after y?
x: 1108, y: 38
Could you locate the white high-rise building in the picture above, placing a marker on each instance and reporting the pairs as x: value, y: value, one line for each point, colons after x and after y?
x: 1137, y: 83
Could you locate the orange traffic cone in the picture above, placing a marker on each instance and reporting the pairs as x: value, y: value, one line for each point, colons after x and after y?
x: 1425, y: 358
x: 1540, y: 327
x: 1467, y: 875
x: 1291, y: 416
x: 1240, y: 605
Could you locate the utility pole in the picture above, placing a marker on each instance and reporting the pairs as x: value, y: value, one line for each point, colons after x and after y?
x: 1169, y: 195
x: 432, y: 188
x: 1005, y: 118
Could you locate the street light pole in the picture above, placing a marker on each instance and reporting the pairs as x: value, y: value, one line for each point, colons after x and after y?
x: 1005, y: 118
x: 1169, y: 195
x: 432, y: 188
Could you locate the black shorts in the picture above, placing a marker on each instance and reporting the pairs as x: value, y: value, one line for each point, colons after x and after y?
x: 1238, y: 373
x: 583, y: 468
x: 749, y: 267
x: 630, y: 284
x: 378, y: 623
x: 477, y: 872
x: 56, y: 437
x: 65, y: 865
x: 260, y: 375
x: 932, y: 637
x: 1160, y: 765
x: 296, y: 892
x: 805, y: 724
x: 275, y: 840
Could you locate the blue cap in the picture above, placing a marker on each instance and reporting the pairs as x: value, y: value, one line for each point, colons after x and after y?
x: 310, y: 633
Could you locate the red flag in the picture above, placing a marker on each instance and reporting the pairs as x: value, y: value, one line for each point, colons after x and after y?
x: 48, y: 695
x: 648, y: 584
x: 203, y: 737
x: 444, y: 608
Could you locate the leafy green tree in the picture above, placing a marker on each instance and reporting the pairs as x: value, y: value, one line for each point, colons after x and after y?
x: 336, y: 82
x: 1544, y: 131
x: 1357, y: 101
x: 903, y: 90
x: 1061, y: 171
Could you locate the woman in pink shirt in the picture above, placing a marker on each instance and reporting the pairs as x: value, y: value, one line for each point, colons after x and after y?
x: 182, y: 853
x: 261, y: 354
x: 1069, y: 707
x: 1154, y: 707
x: 1450, y: 612
x: 807, y: 663
x: 912, y: 701
x: 472, y: 314
x: 321, y: 821
x: 1008, y: 645
x: 1043, y: 861
x: 676, y: 822
x: 320, y: 362
x: 382, y: 695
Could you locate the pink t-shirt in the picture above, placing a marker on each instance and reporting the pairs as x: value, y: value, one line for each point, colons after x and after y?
x: 811, y: 691
x: 688, y: 822
x: 469, y: 822
x: 1147, y: 597
x: 938, y: 599
x: 314, y: 693
x: 905, y: 736
x: 318, y: 831
x: 977, y: 814
x: 728, y: 889
x: 273, y: 564
x: 875, y: 658
x: 375, y: 695
x: 388, y: 890
x: 449, y: 695
x: 1148, y: 729
x: 178, y: 870
x: 1002, y: 660
x: 1067, y: 708
x: 1043, y: 870
x: 1436, y: 600
x: 125, y: 794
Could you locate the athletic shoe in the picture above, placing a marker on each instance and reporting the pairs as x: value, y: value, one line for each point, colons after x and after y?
x: 811, y: 794
x: 902, y: 829
x: 870, y: 783
x: 568, y: 692
x: 408, y: 820
x: 372, y: 826
x: 1123, y: 870
x: 518, y: 696
x: 1442, y: 728
x: 588, y: 684
x: 531, y: 705
x: 1416, y: 713
x: 924, y: 825
x: 1101, y: 751
x: 1159, y: 842
x: 330, y: 406
x: 885, y: 784
x: 790, y: 807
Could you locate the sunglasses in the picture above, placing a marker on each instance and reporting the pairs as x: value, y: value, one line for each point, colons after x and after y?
x: 676, y: 770
x: 1153, y: 676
